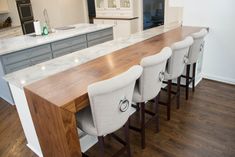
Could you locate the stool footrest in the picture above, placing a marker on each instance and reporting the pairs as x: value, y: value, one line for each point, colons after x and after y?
x: 172, y: 92
x: 118, y: 139
x: 150, y: 113
x: 135, y: 128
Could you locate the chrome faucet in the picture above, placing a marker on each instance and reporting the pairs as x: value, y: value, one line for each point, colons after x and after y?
x: 47, y: 20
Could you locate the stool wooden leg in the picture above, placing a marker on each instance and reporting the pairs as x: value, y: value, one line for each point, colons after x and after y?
x: 194, y: 73
x: 142, y: 125
x: 178, y: 92
x: 137, y: 107
x: 187, y: 80
x: 101, y: 145
x: 127, y: 138
x: 169, y: 99
x: 156, y: 104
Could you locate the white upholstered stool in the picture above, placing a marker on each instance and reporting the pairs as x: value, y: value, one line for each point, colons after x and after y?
x: 149, y: 85
x: 175, y: 68
x: 194, y: 53
x: 110, y: 107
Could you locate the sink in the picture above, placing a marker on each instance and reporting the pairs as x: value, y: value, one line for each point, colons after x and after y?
x: 65, y: 28
x: 32, y: 35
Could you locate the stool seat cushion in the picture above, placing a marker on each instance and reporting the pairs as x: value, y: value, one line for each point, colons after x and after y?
x: 85, y: 121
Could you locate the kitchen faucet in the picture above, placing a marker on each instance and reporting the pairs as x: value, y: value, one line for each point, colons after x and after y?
x: 47, y: 20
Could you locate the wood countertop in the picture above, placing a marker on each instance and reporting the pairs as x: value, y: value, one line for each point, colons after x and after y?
x: 71, y: 85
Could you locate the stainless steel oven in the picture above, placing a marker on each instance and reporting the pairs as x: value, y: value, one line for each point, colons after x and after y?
x: 26, y: 15
x: 28, y: 27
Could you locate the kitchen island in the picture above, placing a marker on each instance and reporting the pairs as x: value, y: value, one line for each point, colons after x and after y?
x: 56, y: 90
x: 27, y: 50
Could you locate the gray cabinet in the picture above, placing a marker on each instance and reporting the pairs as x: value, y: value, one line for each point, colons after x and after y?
x: 14, y: 57
x: 100, y: 34
x: 17, y: 66
x: 100, y: 40
x: 20, y: 56
x: 39, y: 50
x: 99, y: 37
x: 25, y: 58
x: 67, y: 46
x: 40, y: 59
x: 58, y: 45
x: 68, y: 50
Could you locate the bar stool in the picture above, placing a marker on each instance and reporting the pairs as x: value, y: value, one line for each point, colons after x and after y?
x: 110, y: 108
x: 194, y: 53
x: 149, y: 86
x: 174, y: 70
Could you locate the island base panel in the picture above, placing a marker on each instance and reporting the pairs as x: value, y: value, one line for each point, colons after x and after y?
x: 55, y: 127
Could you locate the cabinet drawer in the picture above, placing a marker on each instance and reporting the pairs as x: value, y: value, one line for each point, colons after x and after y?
x: 99, y: 34
x: 25, y: 54
x: 39, y: 50
x: 100, y: 41
x: 41, y: 59
x: 68, y: 42
x: 17, y: 66
x: 15, y: 57
x: 69, y: 50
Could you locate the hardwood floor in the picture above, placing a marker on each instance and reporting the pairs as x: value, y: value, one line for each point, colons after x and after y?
x: 204, y: 126
x: 12, y: 139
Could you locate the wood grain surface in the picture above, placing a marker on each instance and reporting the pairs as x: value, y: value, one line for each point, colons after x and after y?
x: 71, y: 85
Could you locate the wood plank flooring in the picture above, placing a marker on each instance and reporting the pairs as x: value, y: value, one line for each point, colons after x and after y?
x: 204, y: 126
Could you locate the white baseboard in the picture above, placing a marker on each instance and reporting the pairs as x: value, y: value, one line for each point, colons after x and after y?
x: 219, y: 79
x: 35, y: 151
x: 197, y: 81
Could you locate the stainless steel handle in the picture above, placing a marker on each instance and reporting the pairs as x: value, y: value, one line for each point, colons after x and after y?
x: 161, y: 76
x: 124, y: 105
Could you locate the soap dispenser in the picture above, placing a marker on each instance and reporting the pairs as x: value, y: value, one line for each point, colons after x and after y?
x: 45, y: 30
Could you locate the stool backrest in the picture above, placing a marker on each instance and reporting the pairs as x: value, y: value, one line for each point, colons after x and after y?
x: 179, y: 57
x: 153, y: 72
x: 197, y: 46
x: 111, y: 99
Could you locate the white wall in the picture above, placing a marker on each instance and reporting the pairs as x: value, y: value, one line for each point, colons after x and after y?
x: 61, y: 12
x: 219, y: 56
x: 3, y: 5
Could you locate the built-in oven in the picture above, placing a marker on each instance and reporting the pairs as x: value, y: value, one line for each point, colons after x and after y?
x: 25, y: 10
x: 26, y: 15
x: 28, y: 27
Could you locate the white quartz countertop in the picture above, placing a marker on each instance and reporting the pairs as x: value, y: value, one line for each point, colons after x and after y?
x: 26, y: 41
x: 43, y: 70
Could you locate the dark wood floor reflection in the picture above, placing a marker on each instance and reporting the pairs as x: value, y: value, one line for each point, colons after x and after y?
x: 204, y: 126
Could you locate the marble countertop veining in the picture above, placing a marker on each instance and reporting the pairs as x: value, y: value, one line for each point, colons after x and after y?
x: 40, y: 71
x: 26, y: 41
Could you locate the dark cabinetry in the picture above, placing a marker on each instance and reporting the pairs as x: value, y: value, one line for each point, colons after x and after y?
x: 26, y: 15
